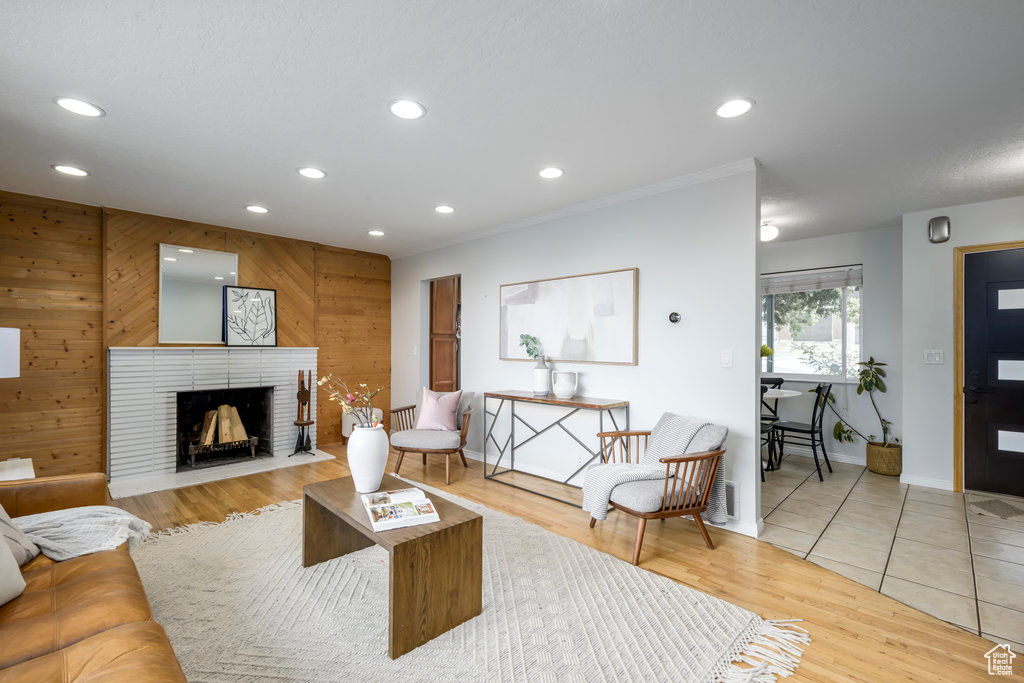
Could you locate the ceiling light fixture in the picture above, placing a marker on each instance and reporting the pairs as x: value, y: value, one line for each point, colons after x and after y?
x: 407, y: 109
x: 376, y: 233
x: 734, y: 108
x: 444, y: 208
x: 310, y: 172
x: 256, y: 208
x: 218, y: 277
x: 186, y: 251
x: 80, y: 107
x: 70, y: 170
x: 169, y: 258
x: 768, y: 232
x: 232, y: 273
x: 550, y: 173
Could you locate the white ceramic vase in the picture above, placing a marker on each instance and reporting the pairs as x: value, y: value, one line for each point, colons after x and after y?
x: 367, y: 457
x: 564, y: 383
x: 541, y: 378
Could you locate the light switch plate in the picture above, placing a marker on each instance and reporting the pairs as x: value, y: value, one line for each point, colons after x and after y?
x: 726, y: 359
x: 934, y: 357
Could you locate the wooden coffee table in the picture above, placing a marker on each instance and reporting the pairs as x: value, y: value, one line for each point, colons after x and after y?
x: 436, y: 570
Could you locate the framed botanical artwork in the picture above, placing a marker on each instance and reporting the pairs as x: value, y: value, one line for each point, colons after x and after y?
x: 589, y: 318
x: 250, y: 316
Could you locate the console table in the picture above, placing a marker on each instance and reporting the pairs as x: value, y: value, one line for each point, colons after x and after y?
x: 507, y: 451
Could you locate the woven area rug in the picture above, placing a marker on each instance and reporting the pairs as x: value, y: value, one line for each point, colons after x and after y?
x: 238, y: 606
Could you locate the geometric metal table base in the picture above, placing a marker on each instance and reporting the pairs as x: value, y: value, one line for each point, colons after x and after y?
x: 576, y: 404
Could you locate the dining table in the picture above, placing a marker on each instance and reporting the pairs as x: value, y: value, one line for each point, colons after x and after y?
x: 781, y: 393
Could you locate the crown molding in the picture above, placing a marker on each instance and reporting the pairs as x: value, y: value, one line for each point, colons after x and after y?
x: 715, y: 173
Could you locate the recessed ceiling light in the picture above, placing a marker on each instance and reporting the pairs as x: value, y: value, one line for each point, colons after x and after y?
x: 256, y: 208
x: 376, y: 233
x: 69, y: 170
x: 186, y: 251
x: 407, y: 109
x: 218, y: 277
x: 551, y: 172
x: 310, y: 172
x: 232, y: 273
x: 734, y: 108
x: 768, y: 232
x: 169, y: 258
x: 79, y: 106
x: 444, y: 208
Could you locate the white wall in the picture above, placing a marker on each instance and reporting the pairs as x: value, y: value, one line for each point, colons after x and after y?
x: 696, y: 251
x: 928, y: 324
x: 880, y: 253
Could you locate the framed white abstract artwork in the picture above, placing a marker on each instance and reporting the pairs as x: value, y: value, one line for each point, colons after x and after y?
x: 589, y: 318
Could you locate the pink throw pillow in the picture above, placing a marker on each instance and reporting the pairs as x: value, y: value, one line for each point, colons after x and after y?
x: 438, y: 411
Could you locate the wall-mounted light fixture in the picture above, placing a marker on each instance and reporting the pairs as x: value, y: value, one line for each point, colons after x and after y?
x: 938, y: 229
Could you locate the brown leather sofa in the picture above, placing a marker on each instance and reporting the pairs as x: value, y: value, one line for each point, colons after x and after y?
x: 85, y: 619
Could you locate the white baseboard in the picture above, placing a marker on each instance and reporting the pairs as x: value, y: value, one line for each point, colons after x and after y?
x: 752, y: 529
x: 914, y: 480
x: 833, y: 456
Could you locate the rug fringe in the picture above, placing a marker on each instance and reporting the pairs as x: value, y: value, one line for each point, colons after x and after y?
x: 771, y: 649
x: 234, y: 516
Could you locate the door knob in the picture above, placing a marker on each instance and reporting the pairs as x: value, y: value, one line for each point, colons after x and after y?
x: 974, y: 389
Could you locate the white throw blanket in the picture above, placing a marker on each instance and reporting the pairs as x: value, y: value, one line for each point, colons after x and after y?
x: 64, y: 534
x: 670, y: 437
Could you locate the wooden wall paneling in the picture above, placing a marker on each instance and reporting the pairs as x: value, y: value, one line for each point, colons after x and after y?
x: 51, y: 278
x: 132, y: 270
x: 284, y: 265
x: 77, y: 279
x: 353, y: 328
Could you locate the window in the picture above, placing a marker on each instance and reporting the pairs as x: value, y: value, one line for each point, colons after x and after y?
x: 811, y: 318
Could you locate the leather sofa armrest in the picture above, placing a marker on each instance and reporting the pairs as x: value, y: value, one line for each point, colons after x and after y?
x: 32, y: 496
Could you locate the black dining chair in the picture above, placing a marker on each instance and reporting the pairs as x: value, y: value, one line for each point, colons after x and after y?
x: 770, y: 411
x: 804, y: 433
x: 767, y: 439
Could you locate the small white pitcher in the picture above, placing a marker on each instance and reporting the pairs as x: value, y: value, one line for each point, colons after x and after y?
x: 564, y: 383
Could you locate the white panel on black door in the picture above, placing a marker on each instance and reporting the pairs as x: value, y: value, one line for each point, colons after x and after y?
x: 1010, y: 299
x: 1011, y: 441
x: 1012, y: 370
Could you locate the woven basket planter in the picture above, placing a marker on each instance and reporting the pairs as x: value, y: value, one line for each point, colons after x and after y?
x: 885, y: 460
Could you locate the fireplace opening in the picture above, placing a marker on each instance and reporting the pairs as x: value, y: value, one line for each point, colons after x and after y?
x: 222, y: 426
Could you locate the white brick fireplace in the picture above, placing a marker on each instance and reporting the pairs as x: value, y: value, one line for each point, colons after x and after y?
x: 142, y: 386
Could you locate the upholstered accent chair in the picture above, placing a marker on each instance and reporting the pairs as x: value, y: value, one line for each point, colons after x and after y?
x: 683, y: 491
x: 405, y: 438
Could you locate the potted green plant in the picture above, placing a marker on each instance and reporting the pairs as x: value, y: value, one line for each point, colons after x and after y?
x: 885, y: 456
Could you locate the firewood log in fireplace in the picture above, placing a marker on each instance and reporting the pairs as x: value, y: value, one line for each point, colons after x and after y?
x: 229, y: 425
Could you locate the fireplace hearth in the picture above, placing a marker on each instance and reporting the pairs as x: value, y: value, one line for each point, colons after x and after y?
x: 222, y: 426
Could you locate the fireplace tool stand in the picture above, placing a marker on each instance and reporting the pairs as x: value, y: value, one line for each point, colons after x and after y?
x: 303, y: 444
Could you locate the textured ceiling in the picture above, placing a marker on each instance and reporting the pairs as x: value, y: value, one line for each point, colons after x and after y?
x: 865, y: 109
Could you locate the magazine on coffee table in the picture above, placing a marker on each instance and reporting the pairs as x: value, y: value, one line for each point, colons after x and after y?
x: 399, y: 508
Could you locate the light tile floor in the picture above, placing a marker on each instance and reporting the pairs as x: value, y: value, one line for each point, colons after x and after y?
x: 959, y: 557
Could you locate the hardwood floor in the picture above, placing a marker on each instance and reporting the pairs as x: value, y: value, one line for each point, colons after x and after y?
x: 858, y: 633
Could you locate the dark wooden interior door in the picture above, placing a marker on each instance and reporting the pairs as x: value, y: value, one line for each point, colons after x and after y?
x: 994, y: 371
x: 444, y: 343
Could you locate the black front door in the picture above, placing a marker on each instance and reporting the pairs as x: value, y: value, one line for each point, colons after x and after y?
x: 994, y: 371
